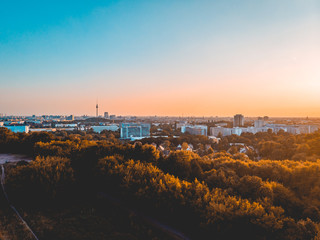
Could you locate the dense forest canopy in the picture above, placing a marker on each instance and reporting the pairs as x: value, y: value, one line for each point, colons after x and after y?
x: 271, y: 193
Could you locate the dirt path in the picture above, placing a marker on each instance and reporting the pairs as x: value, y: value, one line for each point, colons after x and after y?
x: 26, y: 226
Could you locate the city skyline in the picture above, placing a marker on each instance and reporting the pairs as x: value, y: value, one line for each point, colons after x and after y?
x: 168, y: 58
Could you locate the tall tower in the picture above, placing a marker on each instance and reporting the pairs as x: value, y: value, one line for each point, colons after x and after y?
x: 238, y: 120
x: 97, y: 110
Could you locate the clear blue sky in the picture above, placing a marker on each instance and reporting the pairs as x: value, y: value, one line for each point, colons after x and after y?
x: 163, y: 57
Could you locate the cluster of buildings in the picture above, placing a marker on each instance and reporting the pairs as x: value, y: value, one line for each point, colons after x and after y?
x: 260, y: 125
x: 294, y: 129
x: 131, y: 127
x: 128, y: 130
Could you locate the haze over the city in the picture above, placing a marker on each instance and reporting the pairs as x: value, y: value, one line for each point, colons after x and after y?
x: 201, y: 58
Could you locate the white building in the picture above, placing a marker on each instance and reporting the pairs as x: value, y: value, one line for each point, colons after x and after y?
x: 258, y: 123
x: 42, y: 129
x: 66, y: 125
x: 294, y: 129
x: 134, y: 131
x: 195, y: 129
x: 236, y: 131
x: 18, y: 128
x: 181, y: 124
x: 301, y: 129
x: 99, y: 129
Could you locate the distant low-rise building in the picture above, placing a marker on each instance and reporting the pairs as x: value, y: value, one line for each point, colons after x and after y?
x: 18, y: 128
x: 294, y: 129
x: 70, y: 118
x: 259, y: 123
x: 66, y: 125
x: 223, y: 124
x: 42, y: 129
x: 302, y: 129
x: 195, y: 129
x: 99, y: 129
x: 216, y: 131
x: 134, y: 130
x: 181, y: 124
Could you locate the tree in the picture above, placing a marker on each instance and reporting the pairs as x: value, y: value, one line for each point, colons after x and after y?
x: 184, y: 146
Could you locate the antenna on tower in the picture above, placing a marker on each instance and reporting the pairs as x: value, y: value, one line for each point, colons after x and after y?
x: 97, y: 109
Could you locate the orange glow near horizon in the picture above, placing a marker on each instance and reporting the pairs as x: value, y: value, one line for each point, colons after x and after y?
x: 260, y: 59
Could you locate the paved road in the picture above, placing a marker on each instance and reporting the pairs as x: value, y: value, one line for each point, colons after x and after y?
x: 12, y: 207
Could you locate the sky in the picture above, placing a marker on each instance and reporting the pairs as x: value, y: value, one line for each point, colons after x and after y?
x: 160, y: 57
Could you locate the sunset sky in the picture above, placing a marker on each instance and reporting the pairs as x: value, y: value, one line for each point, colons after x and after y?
x: 160, y: 57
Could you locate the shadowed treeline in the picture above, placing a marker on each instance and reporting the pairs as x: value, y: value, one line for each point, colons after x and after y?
x: 216, y: 195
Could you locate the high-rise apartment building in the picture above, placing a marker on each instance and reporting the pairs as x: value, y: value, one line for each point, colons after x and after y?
x: 238, y: 120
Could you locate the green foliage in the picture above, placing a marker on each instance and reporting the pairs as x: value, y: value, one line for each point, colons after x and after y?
x: 222, y: 194
x: 217, y: 211
x: 43, y: 179
x: 279, y: 146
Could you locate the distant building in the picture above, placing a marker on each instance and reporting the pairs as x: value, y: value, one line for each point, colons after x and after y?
x: 112, y: 116
x: 302, y: 129
x: 223, y: 124
x: 70, y: 118
x: 181, y: 124
x: 277, y: 127
x: 66, y: 125
x: 106, y: 115
x: 236, y: 131
x: 258, y: 123
x: 195, y: 129
x: 134, y: 130
x: 216, y: 131
x: 42, y: 129
x: 18, y: 128
x: 293, y: 129
x: 99, y: 129
x: 238, y: 120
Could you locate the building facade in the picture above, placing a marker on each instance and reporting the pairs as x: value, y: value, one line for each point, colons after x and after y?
x: 238, y: 120
x: 134, y: 130
x: 293, y: 129
x: 195, y: 129
x: 259, y: 123
x: 18, y: 128
x: 111, y: 127
x: 70, y: 118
